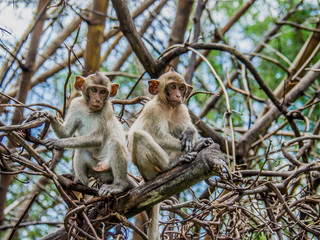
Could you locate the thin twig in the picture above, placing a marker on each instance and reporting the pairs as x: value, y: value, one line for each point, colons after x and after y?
x: 22, y: 216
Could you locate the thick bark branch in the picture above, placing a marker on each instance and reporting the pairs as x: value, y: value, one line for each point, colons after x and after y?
x: 180, y: 25
x: 96, y: 26
x: 142, y: 31
x: 129, y: 30
x: 208, y: 162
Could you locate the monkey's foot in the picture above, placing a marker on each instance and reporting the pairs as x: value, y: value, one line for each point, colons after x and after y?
x: 108, y: 190
x: 201, y: 144
x: 187, y: 157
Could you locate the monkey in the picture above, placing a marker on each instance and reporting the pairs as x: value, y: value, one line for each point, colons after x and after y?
x: 99, y: 142
x: 101, y: 167
x: 163, y: 135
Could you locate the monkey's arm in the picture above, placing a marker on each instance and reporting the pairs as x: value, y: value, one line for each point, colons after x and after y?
x: 65, y: 130
x: 168, y: 143
x: 159, y: 130
x: 72, y: 122
x: 154, y: 122
x: 75, y: 142
x: 62, y: 130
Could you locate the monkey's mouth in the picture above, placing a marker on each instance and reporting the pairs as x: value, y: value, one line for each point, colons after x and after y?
x: 175, y: 101
x: 95, y: 107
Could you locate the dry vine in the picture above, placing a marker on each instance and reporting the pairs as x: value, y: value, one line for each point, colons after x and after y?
x: 254, y: 202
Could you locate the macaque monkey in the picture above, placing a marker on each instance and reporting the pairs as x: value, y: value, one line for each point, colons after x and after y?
x: 99, y: 142
x: 163, y: 135
x: 101, y: 167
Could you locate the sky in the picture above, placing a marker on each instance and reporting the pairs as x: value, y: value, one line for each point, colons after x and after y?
x: 13, y: 19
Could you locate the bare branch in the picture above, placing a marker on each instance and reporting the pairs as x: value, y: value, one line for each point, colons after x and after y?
x: 128, y: 28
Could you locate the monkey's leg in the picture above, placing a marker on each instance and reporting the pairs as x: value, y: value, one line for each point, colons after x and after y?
x: 154, y: 216
x: 118, y: 158
x: 149, y: 157
x: 203, y: 143
x: 80, y: 160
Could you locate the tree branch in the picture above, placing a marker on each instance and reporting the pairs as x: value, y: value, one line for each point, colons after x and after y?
x: 208, y: 162
x: 129, y: 30
x: 225, y: 48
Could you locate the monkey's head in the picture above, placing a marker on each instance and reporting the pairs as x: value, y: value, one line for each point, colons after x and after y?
x: 171, y: 88
x: 96, y: 90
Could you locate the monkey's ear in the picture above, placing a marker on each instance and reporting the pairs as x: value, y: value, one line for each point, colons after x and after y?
x: 78, y: 83
x: 114, y: 89
x: 188, y: 91
x: 153, y: 86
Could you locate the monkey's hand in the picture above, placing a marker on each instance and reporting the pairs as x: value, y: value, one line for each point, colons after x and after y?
x: 37, y: 115
x: 108, y: 190
x: 52, y: 143
x: 201, y: 144
x: 187, y: 141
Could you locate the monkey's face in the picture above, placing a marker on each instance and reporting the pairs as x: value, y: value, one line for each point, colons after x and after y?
x: 175, y: 92
x: 97, y: 95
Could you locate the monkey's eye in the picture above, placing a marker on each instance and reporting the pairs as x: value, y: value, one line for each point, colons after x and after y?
x: 103, y: 92
x: 94, y: 89
x: 172, y: 86
x: 182, y: 88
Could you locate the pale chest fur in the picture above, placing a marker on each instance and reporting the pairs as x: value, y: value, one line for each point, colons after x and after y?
x: 177, y: 120
x: 90, y: 123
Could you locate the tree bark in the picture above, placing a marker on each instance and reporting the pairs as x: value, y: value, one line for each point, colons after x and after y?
x: 180, y: 25
x: 143, y: 29
x: 96, y: 23
x: 196, y: 34
x: 129, y: 30
x: 208, y: 162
